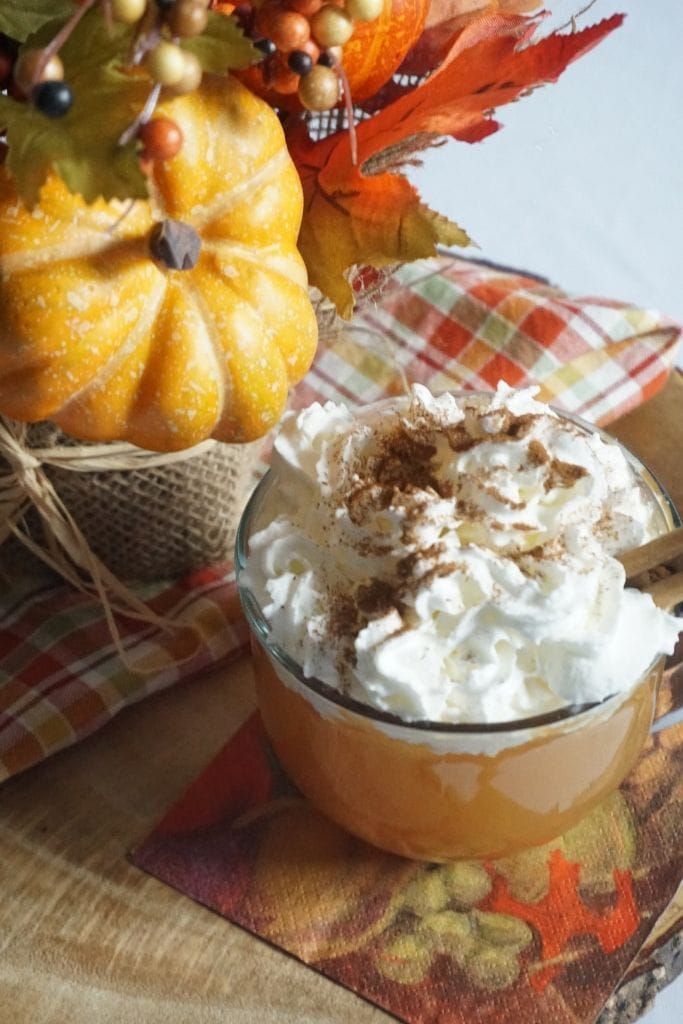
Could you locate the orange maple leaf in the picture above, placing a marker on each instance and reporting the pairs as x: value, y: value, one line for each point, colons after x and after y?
x: 446, y: 19
x: 369, y: 214
x: 562, y: 915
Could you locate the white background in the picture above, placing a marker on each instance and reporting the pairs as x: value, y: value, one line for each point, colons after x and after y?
x: 584, y: 184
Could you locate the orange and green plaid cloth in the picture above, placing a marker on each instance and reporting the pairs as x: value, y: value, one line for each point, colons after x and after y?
x: 448, y: 323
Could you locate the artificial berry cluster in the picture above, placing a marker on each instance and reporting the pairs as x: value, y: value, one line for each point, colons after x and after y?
x: 302, y: 43
x: 167, y: 63
x: 38, y: 74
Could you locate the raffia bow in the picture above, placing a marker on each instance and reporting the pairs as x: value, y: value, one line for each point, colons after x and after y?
x: 25, y: 484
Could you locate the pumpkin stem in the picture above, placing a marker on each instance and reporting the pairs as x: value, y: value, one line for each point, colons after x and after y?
x: 175, y: 244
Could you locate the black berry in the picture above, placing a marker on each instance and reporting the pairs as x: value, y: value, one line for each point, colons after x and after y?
x: 300, y: 62
x: 266, y: 46
x: 165, y: 5
x: 325, y: 60
x: 54, y: 99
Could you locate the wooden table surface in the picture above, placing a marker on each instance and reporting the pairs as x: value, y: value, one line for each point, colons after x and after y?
x: 85, y: 938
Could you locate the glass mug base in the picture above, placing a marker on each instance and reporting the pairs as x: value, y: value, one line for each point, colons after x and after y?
x: 445, y: 797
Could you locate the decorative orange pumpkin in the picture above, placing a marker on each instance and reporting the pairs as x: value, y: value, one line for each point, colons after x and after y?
x: 185, y: 318
x: 377, y: 48
x: 371, y: 56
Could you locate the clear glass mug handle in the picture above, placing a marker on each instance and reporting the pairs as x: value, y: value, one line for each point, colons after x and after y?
x: 669, y: 706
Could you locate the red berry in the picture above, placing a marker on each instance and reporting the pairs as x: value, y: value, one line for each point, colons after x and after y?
x: 161, y: 139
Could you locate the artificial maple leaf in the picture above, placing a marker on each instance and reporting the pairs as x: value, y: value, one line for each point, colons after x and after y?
x: 485, y: 27
x: 222, y: 45
x: 446, y: 19
x: 81, y: 147
x: 351, y: 218
x: 368, y: 213
x: 20, y: 18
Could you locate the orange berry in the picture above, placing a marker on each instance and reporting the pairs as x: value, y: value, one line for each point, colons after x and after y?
x: 161, y: 139
x: 265, y: 16
x: 305, y: 7
x: 312, y: 49
x: 289, y: 31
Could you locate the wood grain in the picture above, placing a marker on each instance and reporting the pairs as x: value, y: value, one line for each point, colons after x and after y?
x: 655, y: 432
x: 85, y: 938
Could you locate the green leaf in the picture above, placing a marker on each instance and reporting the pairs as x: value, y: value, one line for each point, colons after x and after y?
x: 20, y: 18
x: 81, y: 147
x: 222, y: 46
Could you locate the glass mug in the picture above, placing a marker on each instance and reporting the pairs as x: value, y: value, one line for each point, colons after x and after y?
x: 436, y: 791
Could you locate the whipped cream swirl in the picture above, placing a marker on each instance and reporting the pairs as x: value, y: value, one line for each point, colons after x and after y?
x: 452, y: 558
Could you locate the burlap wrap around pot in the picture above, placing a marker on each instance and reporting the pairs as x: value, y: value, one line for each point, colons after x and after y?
x: 146, y: 523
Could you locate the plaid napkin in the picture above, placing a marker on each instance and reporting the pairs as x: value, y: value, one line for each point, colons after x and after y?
x: 446, y: 323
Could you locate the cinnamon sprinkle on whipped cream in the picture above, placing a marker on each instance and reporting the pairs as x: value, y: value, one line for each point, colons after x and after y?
x: 452, y: 558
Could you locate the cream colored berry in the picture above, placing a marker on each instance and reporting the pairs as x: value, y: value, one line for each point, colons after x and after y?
x: 364, y: 10
x: 166, y: 63
x: 331, y: 26
x: 192, y: 78
x: 28, y: 71
x: 128, y: 11
x: 319, y: 90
